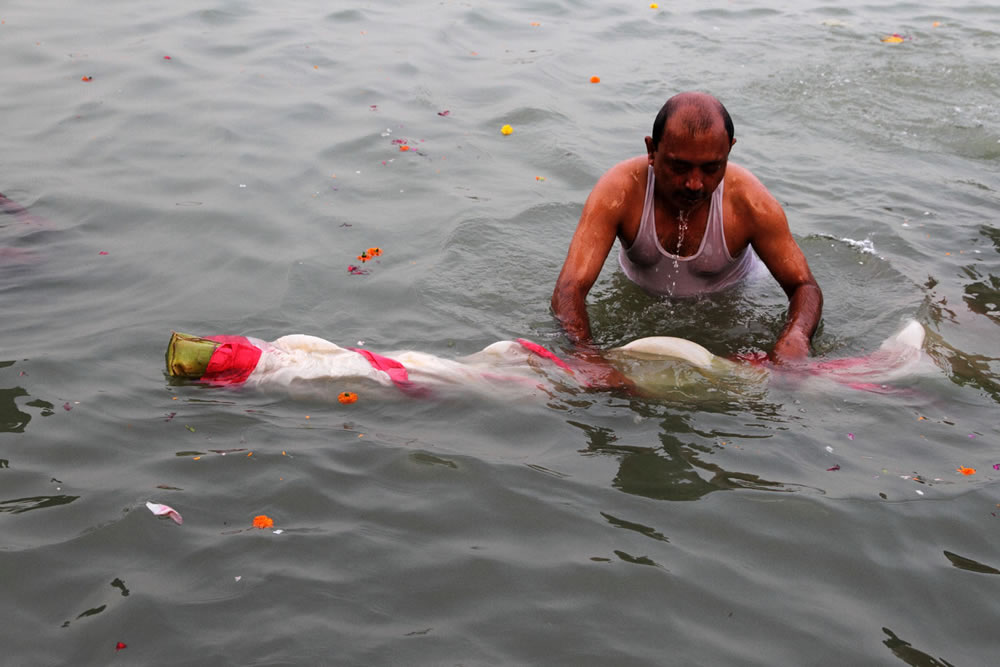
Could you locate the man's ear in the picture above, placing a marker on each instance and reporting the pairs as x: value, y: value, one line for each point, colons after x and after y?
x: 650, y: 149
x: 732, y: 143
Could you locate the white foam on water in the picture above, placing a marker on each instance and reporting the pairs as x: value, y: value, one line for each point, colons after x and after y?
x: 865, y: 245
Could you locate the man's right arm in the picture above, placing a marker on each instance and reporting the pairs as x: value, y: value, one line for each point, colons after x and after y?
x: 595, y: 235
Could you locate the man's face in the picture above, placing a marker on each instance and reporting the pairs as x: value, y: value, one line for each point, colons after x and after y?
x: 688, y: 168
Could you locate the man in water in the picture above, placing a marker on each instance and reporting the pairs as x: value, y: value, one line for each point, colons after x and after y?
x: 689, y: 223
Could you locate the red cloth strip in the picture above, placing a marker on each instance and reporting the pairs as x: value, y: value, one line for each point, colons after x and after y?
x: 232, y: 362
x: 542, y: 352
x: 396, y: 371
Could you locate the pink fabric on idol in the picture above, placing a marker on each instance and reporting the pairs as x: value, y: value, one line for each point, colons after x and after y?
x: 232, y: 362
x: 396, y: 371
x: 542, y: 352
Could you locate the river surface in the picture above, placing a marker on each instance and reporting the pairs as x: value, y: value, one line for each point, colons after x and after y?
x: 214, y: 167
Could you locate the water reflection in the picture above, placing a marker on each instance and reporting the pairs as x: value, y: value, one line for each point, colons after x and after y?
x: 911, y: 656
x: 19, y: 505
x: 965, y: 369
x: 12, y: 419
x: 963, y: 563
x: 674, y: 470
x: 982, y: 298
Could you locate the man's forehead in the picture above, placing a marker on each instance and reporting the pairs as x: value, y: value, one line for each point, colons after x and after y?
x: 692, y: 122
x: 708, y: 146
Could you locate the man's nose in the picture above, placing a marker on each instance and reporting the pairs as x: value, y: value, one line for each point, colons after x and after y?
x: 694, y: 181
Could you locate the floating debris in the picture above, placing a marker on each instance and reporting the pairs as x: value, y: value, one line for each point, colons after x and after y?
x: 165, y: 510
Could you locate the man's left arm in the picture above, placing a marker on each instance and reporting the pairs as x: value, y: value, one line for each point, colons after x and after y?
x: 772, y: 240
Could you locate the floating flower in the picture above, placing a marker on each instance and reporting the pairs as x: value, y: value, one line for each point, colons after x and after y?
x: 966, y: 471
x: 653, y: 5
x: 894, y: 38
x: 347, y: 397
x: 996, y: 466
x: 86, y: 78
x: 506, y: 129
x: 120, y: 645
x: 444, y: 113
x: 404, y: 148
x: 595, y: 79
x: 834, y: 468
x: 373, y: 252
x: 851, y: 436
x: 263, y: 521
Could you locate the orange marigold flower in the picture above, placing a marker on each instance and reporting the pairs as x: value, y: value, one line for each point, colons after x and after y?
x: 966, y: 471
x: 373, y: 252
x: 595, y: 79
x: 263, y: 521
x: 363, y: 257
x: 347, y: 397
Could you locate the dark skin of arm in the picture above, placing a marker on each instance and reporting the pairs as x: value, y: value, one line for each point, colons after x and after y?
x: 754, y: 217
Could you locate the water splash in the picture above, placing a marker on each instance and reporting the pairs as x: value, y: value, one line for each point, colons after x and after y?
x: 682, y: 218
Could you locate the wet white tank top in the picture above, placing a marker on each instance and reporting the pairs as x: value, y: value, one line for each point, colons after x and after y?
x: 710, y: 269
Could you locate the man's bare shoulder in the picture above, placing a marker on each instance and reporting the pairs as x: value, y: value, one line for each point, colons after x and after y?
x: 749, y: 196
x: 621, y: 185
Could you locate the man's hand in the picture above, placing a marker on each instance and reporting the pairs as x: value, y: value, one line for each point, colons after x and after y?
x: 596, y: 372
x: 792, y: 347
